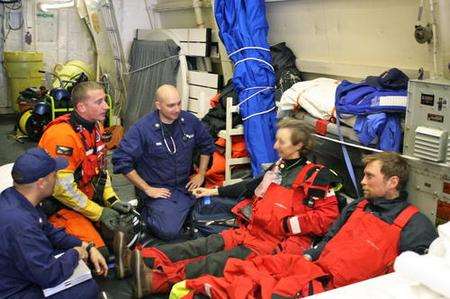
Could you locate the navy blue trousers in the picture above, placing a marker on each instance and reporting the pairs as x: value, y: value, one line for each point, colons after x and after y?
x: 165, y: 217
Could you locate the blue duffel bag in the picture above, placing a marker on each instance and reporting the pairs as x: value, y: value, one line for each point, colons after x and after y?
x: 211, y: 215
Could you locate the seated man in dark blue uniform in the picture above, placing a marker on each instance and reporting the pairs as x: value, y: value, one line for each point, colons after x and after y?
x: 156, y: 156
x: 29, y: 243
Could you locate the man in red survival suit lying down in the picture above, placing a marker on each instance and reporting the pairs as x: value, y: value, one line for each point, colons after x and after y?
x: 361, y: 244
x: 290, y: 205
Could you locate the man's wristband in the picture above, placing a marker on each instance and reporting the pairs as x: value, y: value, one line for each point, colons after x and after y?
x: 89, y: 247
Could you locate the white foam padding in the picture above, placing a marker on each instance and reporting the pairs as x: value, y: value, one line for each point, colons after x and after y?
x: 5, y: 176
x: 430, y: 271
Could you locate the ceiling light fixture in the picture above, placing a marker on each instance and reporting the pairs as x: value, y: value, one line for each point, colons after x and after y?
x: 48, y: 5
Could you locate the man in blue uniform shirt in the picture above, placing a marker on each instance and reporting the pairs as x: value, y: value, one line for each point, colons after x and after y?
x: 156, y: 156
x: 28, y: 242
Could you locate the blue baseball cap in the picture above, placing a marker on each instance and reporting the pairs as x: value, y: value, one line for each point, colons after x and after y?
x: 34, y: 164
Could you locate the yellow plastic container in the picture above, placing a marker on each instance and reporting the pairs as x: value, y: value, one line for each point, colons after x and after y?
x: 22, y: 71
x: 71, y: 69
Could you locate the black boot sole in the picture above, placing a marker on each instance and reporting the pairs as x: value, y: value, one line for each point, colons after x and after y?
x: 139, y: 275
x: 119, y: 247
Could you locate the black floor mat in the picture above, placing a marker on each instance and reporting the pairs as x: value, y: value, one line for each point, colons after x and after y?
x: 121, y: 289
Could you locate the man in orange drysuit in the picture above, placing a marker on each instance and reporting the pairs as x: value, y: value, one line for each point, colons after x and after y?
x: 84, y: 187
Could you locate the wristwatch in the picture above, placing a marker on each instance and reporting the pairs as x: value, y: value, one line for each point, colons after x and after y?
x: 89, y: 247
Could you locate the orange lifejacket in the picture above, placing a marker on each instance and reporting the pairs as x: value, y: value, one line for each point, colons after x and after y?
x: 89, y: 160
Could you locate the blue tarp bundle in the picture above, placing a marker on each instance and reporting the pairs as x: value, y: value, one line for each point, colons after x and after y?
x: 243, y: 29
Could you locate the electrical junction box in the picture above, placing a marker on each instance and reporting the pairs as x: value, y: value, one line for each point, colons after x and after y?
x: 427, y: 122
x: 426, y: 144
x: 429, y: 188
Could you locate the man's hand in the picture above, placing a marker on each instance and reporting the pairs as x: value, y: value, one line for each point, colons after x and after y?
x: 195, y: 182
x: 110, y: 218
x: 121, y: 207
x: 157, y: 192
x: 201, y: 192
x: 97, y: 259
x: 82, y: 253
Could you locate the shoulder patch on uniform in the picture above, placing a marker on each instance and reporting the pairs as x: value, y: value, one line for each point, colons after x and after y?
x: 64, y: 150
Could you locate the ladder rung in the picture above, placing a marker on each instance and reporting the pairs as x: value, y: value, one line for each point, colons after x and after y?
x: 237, y: 161
x: 233, y: 132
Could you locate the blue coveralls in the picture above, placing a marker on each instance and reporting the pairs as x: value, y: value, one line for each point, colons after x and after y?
x: 373, y: 118
x: 144, y: 149
x: 28, y: 244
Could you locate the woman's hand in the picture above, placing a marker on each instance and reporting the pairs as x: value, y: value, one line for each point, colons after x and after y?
x: 202, y: 192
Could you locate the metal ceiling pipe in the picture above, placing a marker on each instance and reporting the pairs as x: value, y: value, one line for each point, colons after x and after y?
x: 3, y: 85
x: 178, y: 5
x: 444, y: 36
x: 435, y: 72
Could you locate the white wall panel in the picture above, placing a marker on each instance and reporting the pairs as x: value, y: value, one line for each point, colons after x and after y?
x: 131, y: 15
x: 67, y: 40
x: 351, y: 38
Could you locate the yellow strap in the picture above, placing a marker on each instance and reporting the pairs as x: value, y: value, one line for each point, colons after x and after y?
x: 108, y: 192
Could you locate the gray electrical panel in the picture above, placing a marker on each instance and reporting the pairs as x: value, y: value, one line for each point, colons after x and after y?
x: 429, y: 188
x: 427, y: 122
x: 427, y: 145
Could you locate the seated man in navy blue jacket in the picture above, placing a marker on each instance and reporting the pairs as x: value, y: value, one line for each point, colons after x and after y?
x: 156, y: 156
x: 29, y: 243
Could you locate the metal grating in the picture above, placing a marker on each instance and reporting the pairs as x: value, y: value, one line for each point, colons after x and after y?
x: 448, y: 150
x: 429, y: 144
